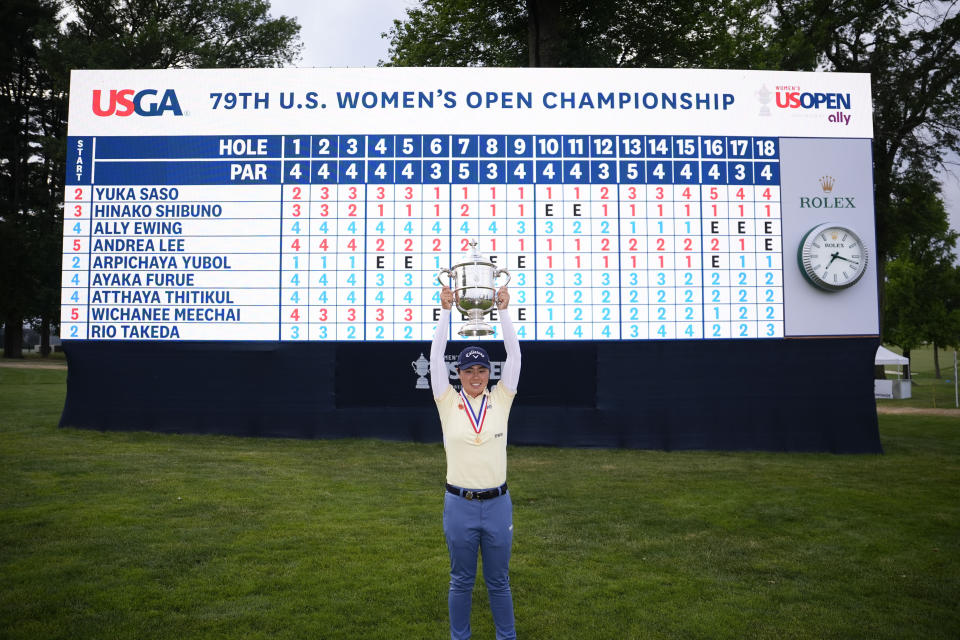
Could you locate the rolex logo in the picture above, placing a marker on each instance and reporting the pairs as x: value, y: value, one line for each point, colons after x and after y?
x: 827, y: 183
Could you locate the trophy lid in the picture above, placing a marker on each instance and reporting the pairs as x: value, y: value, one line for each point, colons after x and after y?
x: 474, y: 257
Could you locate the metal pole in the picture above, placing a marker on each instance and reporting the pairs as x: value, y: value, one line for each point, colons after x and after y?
x: 956, y: 387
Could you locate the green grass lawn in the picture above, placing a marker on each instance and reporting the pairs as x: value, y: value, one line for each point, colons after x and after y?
x: 140, y: 535
x: 32, y: 356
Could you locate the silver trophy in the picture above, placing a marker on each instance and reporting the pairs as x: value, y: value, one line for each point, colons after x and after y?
x: 474, y: 290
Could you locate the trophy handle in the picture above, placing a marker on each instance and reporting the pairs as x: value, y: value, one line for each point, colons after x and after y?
x: 449, y: 277
x: 504, y: 272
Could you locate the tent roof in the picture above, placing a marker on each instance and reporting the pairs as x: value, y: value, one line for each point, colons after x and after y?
x: 885, y: 356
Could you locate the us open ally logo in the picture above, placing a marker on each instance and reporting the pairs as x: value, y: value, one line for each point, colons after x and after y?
x: 791, y: 98
x: 126, y: 102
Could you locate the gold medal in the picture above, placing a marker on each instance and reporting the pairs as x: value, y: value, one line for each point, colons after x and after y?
x: 476, y: 421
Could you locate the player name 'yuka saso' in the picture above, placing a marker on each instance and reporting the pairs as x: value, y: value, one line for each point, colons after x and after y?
x: 129, y: 193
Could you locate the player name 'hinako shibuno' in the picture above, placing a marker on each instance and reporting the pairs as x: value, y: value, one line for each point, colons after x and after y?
x: 157, y: 210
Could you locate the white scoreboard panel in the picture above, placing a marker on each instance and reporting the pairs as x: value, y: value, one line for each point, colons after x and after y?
x: 320, y: 205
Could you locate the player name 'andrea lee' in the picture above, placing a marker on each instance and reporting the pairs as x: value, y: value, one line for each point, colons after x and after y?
x: 139, y: 245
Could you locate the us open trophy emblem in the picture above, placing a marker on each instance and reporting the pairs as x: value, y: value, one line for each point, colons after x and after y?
x: 421, y: 367
x: 475, y: 290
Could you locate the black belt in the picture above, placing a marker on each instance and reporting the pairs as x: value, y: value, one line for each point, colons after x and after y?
x: 469, y: 494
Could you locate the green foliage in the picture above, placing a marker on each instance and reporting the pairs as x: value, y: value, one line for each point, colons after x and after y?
x: 659, y: 33
x: 31, y: 115
x: 608, y: 33
x: 912, y: 51
x: 923, y: 283
x: 143, y: 535
x: 929, y: 390
x: 923, y: 304
x: 163, y: 34
x: 460, y: 33
x: 35, y: 59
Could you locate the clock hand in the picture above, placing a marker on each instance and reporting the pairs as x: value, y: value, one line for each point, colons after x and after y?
x: 847, y: 259
x: 832, y: 258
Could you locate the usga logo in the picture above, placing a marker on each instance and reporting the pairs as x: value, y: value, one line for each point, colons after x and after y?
x: 125, y: 102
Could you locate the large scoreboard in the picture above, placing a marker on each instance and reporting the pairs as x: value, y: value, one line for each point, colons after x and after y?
x: 312, y: 206
x: 320, y: 205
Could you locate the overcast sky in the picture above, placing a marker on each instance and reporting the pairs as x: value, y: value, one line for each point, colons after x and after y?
x: 346, y: 33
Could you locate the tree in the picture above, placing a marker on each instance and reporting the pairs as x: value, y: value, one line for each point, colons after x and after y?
x: 26, y: 90
x: 923, y: 283
x: 34, y: 81
x: 604, y: 33
x: 911, y: 50
x: 460, y: 33
x: 162, y: 34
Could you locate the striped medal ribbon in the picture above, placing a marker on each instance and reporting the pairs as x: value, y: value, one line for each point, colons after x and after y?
x: 476, y: 419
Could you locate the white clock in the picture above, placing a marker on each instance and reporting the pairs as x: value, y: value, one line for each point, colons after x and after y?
x: 832, y: 257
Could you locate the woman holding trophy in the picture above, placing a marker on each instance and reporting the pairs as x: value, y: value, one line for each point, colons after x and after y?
x: 478, y: 513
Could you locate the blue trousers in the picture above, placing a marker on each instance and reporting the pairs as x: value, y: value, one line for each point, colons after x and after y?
x: 487, y: 526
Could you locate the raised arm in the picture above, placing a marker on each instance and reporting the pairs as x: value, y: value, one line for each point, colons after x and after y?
x: 439, y: 374
x: 510, y: 376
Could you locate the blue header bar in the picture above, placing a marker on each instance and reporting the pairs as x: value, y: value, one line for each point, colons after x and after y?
x: 412, y: 159
x: 174, y: 147
x: 175, y: 173
x: 80, y: 161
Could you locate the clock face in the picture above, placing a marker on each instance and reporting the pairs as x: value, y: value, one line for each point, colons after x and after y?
x: 832, y: 257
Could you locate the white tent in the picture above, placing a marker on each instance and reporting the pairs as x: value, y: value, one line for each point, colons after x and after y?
x: 897, y: 389
x: 885, y: 356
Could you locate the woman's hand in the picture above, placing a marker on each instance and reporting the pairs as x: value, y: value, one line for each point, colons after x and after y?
x: 446, y: 298
x: 503, y: 297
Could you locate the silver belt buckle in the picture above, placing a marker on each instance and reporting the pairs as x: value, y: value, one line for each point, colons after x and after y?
x: 468, y: 495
